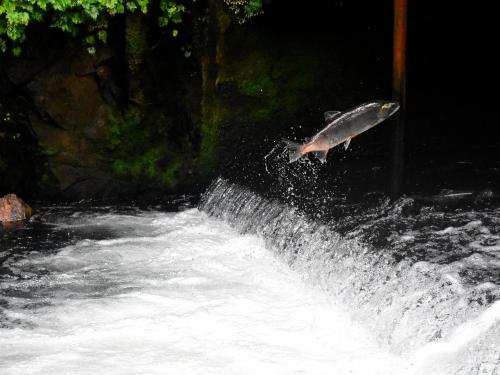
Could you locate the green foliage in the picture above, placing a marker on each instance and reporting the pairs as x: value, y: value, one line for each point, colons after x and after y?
x: 209, y: 133
x: 245, y: 9
x: 137, y: 154
x: 90, y: 17
x: 135, y: 37
x: 3, y: 45
x: 134, y: 149
x: 172, y: 11
x: 87, y: 18
x: 274, y: 81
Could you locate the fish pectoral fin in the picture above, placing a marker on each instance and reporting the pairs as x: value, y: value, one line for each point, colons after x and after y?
x: 321, y: 155
x: 346, y: 144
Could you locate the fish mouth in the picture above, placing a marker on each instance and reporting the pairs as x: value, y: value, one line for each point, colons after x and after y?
x: 388, y: 109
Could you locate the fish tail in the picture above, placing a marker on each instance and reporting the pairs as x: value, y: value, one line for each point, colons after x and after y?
x: 294, y: 150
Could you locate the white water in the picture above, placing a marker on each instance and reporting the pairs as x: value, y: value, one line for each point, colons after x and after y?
x: 179, y: 294
x: 442, y: 314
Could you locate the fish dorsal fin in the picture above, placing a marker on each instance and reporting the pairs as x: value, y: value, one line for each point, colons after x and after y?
x: 331, y: 115
x: 321, y: 155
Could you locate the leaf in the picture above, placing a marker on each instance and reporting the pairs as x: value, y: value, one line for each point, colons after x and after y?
x: 90, y: 39
x: 143, y: 4
x: 73, y: 16
x: 93, y: 12
x: 102, y: 35
x: 162, y: 21
x: 131, y: 6
x: 37, y: 16
x: 23, y: 18
x: 76, y: 18
x: 120, y: 8
x: 16, y: 51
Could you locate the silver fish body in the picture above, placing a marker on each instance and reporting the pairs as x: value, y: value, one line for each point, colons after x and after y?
x: 341, y: 127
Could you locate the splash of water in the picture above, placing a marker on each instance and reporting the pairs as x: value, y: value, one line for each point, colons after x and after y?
x: 303, y: 173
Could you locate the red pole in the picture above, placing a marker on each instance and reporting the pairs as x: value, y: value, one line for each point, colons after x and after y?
x: 399, y: 93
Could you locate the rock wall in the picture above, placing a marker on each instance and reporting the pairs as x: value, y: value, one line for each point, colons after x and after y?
x: 138, y: 118
x: 97, y: 128
x: 68, y: 113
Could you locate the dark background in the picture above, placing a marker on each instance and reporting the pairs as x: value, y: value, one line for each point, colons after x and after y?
x: 452, y: 132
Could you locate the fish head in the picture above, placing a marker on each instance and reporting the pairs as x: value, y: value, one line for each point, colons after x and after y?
x: 386, y: 109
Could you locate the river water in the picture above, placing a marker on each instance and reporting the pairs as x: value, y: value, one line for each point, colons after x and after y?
x: 244, y: 284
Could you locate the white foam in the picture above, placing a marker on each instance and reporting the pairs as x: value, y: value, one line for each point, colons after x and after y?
x: 185, y: 295
x: 455, y: 230
x: 440, y: 357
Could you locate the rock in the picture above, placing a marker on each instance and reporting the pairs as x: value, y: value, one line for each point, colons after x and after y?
x: 13, y: 208
x: 72, y: 122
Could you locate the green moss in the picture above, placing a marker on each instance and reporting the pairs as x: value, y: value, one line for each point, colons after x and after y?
x: 136, y: 45
x: 170, y: 175
x: 139, y: 155
x: 209, y: 133
x: 138, y: 165
x: 275, y: 83
x: 135, y: 38
x: 49, y: 151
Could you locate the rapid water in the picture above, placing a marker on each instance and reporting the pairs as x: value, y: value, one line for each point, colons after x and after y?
x: 245, y: 284
x: 147, y: 292
x: 424, y: 280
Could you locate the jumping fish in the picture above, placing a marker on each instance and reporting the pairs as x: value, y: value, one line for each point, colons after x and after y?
x: 341, y: 128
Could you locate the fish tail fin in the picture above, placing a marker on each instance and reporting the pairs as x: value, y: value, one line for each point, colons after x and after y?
x: 294, y: 150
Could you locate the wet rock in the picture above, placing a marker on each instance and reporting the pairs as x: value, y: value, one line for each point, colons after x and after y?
x: 13, y: 208
x: 71, y: 123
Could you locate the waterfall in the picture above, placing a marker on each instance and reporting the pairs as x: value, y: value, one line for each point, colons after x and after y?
x: 417, y: 308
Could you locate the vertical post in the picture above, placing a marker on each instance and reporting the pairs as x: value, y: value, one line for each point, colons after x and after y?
x: 399, y: 94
